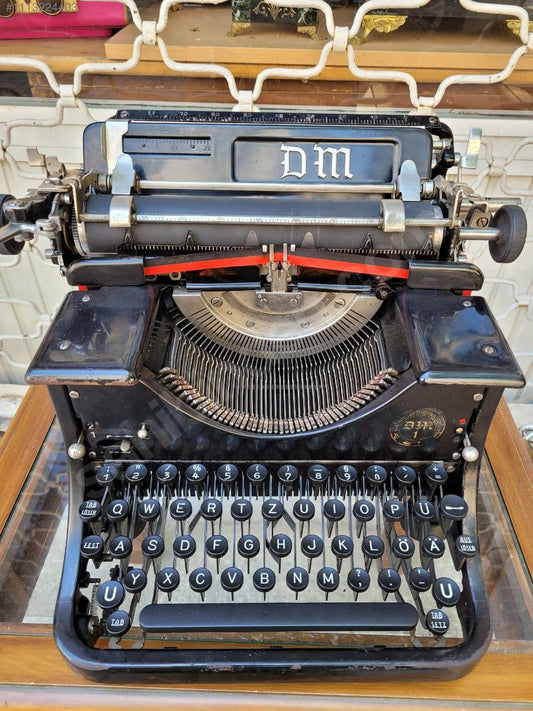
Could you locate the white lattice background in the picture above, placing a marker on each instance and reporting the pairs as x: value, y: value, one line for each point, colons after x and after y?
x: 31, y: 288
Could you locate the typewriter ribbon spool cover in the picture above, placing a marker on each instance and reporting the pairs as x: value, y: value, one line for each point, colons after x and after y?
x: 274, y: 386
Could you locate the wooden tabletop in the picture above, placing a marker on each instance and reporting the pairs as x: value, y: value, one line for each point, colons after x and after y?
x: 34, y: 675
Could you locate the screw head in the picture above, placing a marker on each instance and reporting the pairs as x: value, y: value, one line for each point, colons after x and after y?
x: 488, y: 349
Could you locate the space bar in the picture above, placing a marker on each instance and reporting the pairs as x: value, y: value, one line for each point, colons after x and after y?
x: 279, y: 616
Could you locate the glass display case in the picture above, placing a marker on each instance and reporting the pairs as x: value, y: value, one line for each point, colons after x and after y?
x: 31, y: 550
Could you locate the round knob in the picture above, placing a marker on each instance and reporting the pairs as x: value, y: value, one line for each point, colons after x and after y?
x: 142, y: 432
x: 470, y: 453
x: 512, y: 223
x: 76, y: 450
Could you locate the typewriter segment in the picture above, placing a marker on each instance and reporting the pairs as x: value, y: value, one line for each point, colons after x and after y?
x: 274, y: 386
x: 282, y: 551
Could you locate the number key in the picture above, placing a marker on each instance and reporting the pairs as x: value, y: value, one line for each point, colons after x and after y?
x: 227, y: 473
x: 256, y: 473
x: 136, y: 473
x: 287, y: 474
x: 346, y: 474
x: 317, y: 474
x: 196, y: 474
x: 166, y: 473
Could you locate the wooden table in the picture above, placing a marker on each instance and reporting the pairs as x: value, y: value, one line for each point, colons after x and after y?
x: 34, y: 675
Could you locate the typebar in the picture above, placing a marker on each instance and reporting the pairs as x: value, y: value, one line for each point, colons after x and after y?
x: 314, y: 617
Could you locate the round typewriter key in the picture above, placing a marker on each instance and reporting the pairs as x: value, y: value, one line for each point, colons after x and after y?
x: 404, y: 475
x: 256, y: 473
x: 358, y: 579
x: 231, y: 579
x: 91, y: 546
x: 153, y: 546
x: 312, y: 545
x: 120, y: 547
x: 389, y: 580
x: 248, y: 546
x: 184, y: 546
x: 433, y: 546
x: 167, y: 579
x: 297, y: 579
x: 117, y: 623
x: 109, y: 594
x: 446, y: 592
x: 287, y: 474
x: 107, y: 474
x: 420, y: 579
x: 303, y: 510
x: 136, y: 473
x: 180, y: 509
x: 403, y: 547
x: 272, y: 510
x: 372, y: 546
x: 166, y: 473
x: 200, y: 580
x: 327, y: 579
x: 466, y: 545
x: 334, y: 510
x: 376, y: 474
x: 364, y: 510
x: 317, y: 474
x: 135, y: 580
x: 196, y: 474
x: 453, y: 507
x: 227, y: 473
x: 393, y: 510
x: 148, y: 509
x: 90, y: 510
x: 346, y: 474
x: 437, y: 622
x: 216, y: 546
x: 342, y: 546
x: 436, y: 474
x: 211, y: 509
x: 117, y: 510
x: 264, y: 579
x: 424, y: 510
x: 280, y: 545
x: 241, y: 509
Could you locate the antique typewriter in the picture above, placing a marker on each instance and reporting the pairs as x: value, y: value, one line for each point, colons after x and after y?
x: 274, y: 386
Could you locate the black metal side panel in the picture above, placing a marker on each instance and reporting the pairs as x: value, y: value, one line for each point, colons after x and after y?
x: 455, y: 340
x: 97, y: 337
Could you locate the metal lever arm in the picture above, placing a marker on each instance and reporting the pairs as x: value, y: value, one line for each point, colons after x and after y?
x: 9, y: 244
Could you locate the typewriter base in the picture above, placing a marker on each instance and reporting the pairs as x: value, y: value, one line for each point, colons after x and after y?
x: 364, y: 664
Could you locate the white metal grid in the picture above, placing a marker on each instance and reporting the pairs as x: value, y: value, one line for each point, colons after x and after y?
x: 30, y: 288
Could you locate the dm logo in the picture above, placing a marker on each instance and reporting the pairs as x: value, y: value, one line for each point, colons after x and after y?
x: 322, y: 162
x: 416, y: 426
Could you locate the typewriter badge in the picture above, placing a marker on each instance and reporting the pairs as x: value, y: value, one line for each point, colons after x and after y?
x: 417, y: 426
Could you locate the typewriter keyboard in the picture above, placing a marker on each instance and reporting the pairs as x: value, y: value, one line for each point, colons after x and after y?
x: 271, y: 552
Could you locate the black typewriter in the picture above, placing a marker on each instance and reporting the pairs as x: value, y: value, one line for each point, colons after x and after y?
x: 274, y: 385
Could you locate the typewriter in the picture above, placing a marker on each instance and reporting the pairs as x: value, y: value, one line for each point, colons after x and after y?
x: 274, y: 382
